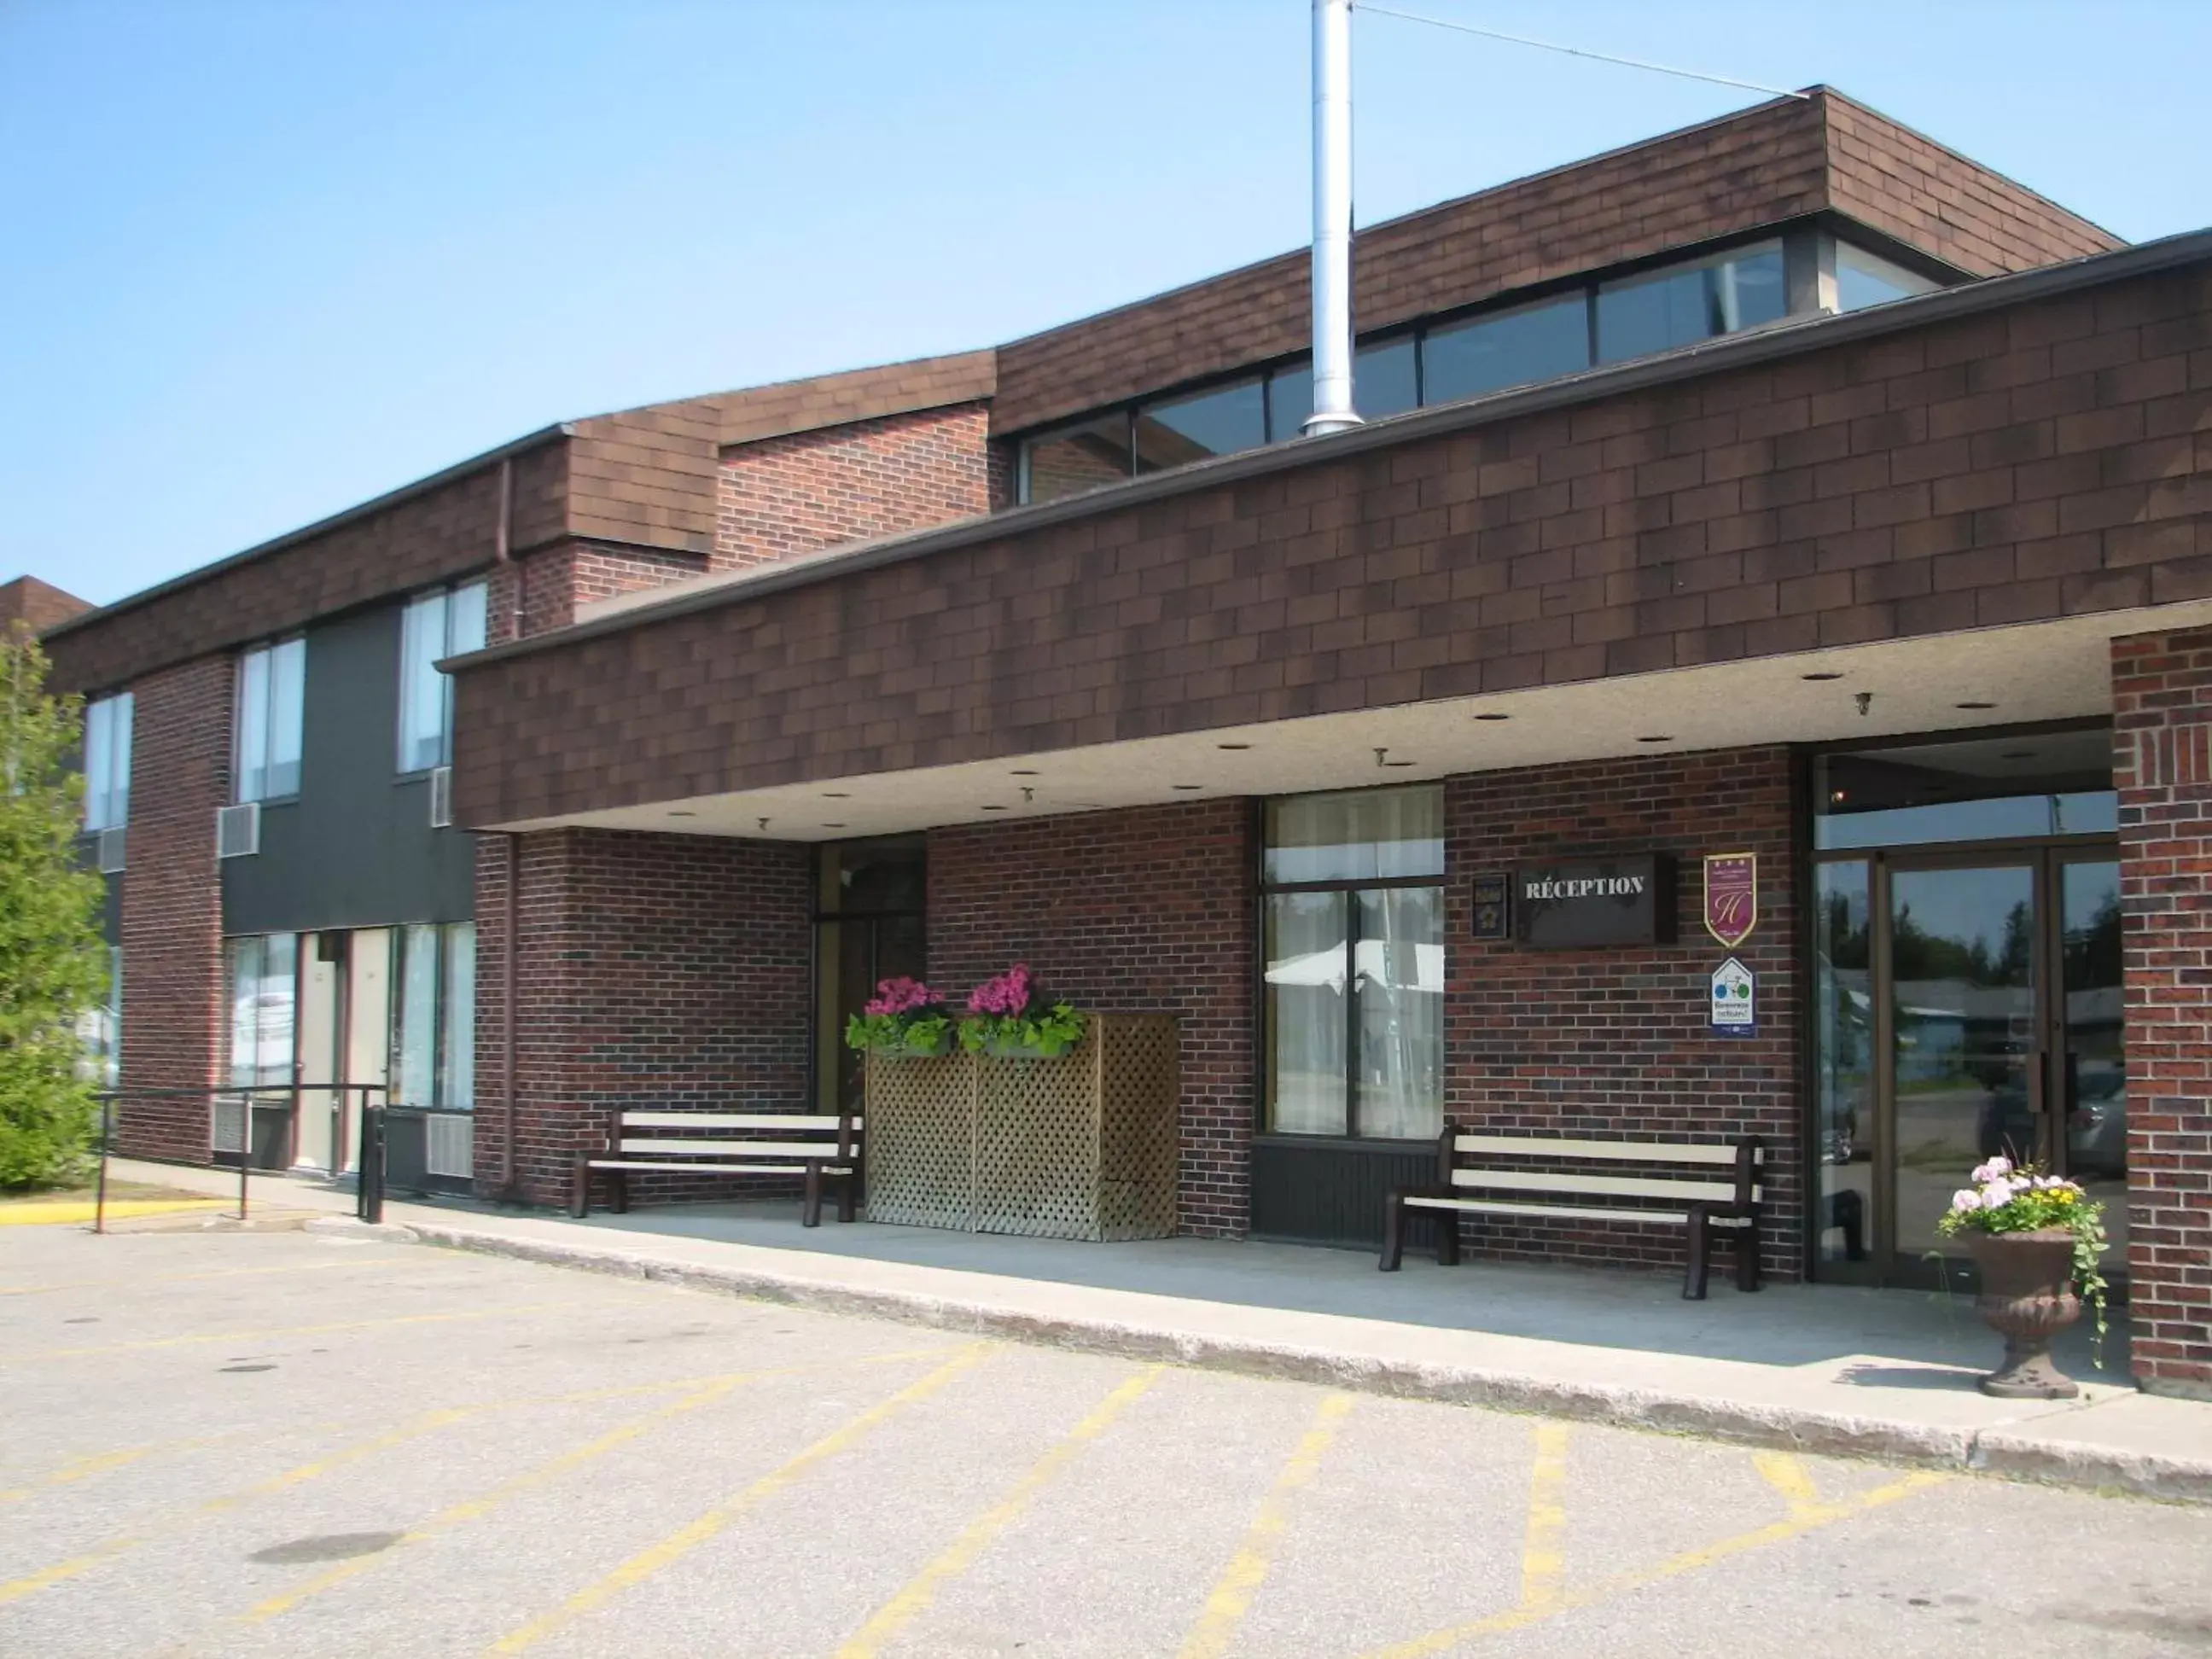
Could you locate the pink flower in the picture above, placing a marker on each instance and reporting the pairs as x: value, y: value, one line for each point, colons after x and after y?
x: 1006, y: 996
x: 901, y: 996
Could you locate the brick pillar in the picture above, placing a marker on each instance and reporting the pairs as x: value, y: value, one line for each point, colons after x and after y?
x: 2162, y: 767
x: 172, y: 989
x: 655, y: 970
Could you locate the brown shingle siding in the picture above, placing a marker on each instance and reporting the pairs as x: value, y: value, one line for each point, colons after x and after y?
x: 1777, y: 507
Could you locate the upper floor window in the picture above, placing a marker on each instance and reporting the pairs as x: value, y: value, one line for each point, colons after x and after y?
x: 1683, y: 304
x: 1867, y: 279
x: 108, y: 763
x: 1439, y: 360
x: 1507, y: 348
x: 437, y: 625
x: 272, y: 684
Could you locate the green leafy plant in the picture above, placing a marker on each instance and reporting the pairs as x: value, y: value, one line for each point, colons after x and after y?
x: 53, y: 964
x: 2010, y: 1198
x: 904, y: 1017
x: 1011, y: 1013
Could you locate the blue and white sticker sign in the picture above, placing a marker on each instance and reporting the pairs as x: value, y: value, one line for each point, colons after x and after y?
x: 1736, y: 1000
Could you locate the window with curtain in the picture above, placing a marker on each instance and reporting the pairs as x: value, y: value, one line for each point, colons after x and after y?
x: 435, y: 626
x: 433, y: 1028
x: 272, y: 682
x: 107, y: 762
x: 263, y: 974
x: 1353, y: 971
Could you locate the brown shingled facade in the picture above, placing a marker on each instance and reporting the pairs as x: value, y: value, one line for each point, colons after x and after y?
x: 1778, y: 161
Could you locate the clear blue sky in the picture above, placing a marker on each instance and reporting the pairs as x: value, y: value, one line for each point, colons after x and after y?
x: 261, y: 260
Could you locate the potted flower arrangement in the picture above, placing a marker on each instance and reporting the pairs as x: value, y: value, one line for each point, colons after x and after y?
x: 1011, y: 1015
x: 904, y: 1017
x: 2036, y: 1239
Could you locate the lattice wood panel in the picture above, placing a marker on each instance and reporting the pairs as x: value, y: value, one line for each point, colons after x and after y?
x: 920, y: 1141
x: 1036, y: 1144
x: 1082, y: 1147
x: 1140, y: 1090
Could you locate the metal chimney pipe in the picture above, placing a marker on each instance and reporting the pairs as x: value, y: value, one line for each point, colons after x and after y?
x: 1331, y: 245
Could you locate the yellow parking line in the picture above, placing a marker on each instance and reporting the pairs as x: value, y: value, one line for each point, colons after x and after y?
x: 1792, y: 1479
x: 46, y: 1577
x: 476, y: 1507
x: 681, y: 1542
x: 62, y: 1212
x: 1543, y: 1559
x: 914, y: 1598
x: 327, y: 1329
x: 1232, y: 1595
x: 1673, y: 1567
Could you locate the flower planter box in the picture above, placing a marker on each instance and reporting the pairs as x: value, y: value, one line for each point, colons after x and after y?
x: 1079, y: 1146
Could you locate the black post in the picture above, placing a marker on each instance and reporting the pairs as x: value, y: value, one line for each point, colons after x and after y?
x: 369, y: 1205
x: 106, y: 1134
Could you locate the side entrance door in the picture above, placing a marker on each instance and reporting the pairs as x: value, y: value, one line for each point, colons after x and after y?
x: 1990, y: 1020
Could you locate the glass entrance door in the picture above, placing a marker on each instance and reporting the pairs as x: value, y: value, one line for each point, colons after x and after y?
x: 1965, y: 1062
x: 1965, y: 1005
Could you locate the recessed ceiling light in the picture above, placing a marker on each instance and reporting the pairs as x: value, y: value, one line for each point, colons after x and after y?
x: 1025, y: 772
x: 681, y: 812
x: 1232, y: 745
x: 832, y: 826
x: 836, y: 794
x: 1493, y: 717
x: 994, y: 809
x: 1397, y: 763
x: 2015, y: 754
x: 1189, y: 785
x: 1661, y: 738
x: 1973, y: 705
x: 1825, y: 676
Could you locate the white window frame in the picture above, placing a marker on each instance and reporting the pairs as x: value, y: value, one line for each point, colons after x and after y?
x: 108, y: 723
x: 267, y: 726
x: 434, y: 627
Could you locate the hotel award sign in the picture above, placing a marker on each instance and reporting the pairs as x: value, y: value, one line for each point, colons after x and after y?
x: 1731, y: 897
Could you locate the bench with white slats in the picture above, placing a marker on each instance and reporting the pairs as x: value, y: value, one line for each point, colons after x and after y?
x: 816, y: 1148
x: 1502, y: 1175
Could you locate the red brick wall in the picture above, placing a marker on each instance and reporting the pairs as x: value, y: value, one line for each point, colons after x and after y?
x: 2162, y: 768
x: 810, y: 491
x: 656, y: 971
x: 556, y: 580
x: 172, y: 991
x: 1613, y: 1042
x: 1140, y: 911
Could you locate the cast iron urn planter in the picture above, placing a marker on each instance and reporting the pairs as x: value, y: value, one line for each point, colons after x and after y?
x: 2027, y: 1298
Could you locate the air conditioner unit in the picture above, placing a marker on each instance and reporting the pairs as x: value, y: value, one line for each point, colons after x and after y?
x: 441, y: 796
x: 449, y: 1144
x: 229, y: 1125
x: 110, y: 851
x: 238, y: 831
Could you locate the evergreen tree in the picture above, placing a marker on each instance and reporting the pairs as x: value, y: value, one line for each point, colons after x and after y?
x: 53, y: 964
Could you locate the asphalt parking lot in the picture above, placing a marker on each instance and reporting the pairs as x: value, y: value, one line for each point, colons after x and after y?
x: 278, y: 1444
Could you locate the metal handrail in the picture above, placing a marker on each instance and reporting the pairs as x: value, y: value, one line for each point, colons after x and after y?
x: 109, y: 1099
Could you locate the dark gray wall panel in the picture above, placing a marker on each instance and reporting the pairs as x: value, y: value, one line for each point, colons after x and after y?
x: 356, y: 848
x: 1330, y: 1192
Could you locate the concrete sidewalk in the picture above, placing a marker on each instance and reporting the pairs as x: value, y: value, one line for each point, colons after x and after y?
x: 1833, y: 1369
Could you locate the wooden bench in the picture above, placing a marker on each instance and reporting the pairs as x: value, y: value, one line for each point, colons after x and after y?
x: 817, y: 1149
x: 1502, y: 1175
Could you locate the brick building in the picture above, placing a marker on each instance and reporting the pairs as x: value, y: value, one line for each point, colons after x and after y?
x: 1789, y: 486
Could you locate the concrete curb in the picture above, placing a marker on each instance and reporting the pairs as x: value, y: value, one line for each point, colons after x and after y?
x: 2008, y: 1453
x: 345, y: 1226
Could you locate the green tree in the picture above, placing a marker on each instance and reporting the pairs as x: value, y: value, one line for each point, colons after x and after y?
x: 53, y: 965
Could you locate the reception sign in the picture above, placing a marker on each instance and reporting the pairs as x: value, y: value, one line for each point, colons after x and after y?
x: 1571, y: 907
x: 1731, y: 897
